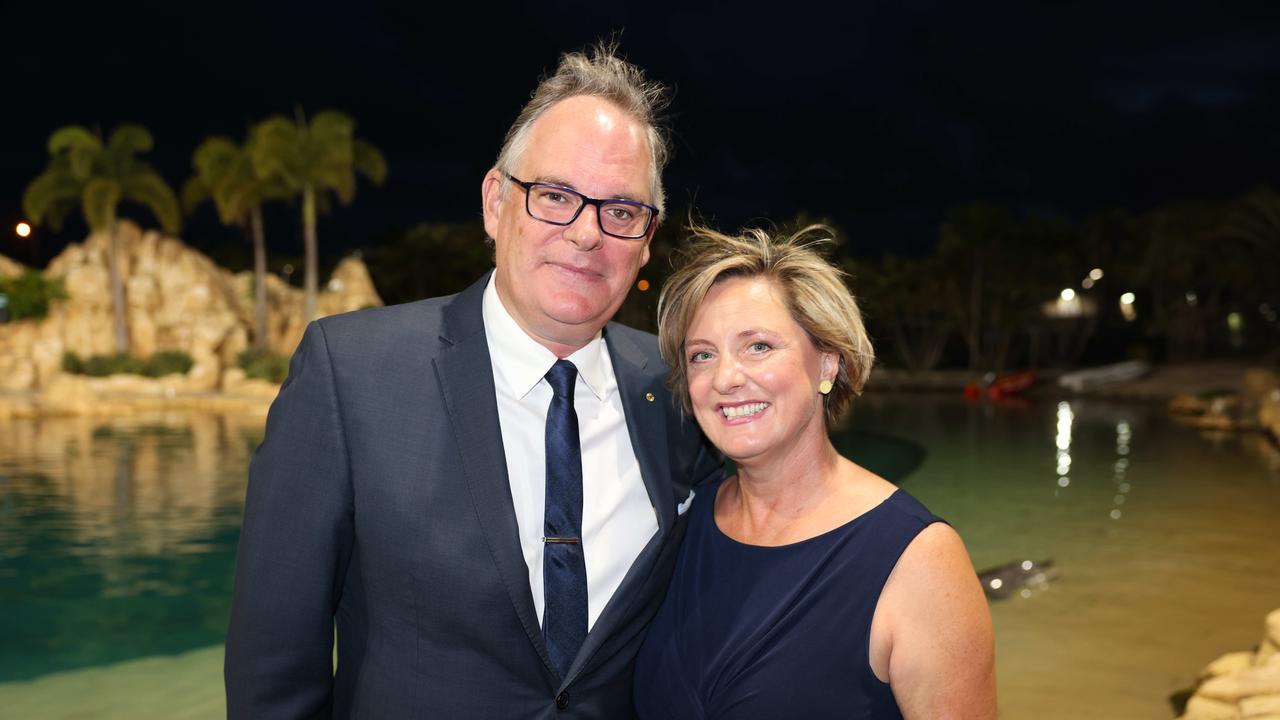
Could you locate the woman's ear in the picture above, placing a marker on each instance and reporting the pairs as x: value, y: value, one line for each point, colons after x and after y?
x: 830, y: 366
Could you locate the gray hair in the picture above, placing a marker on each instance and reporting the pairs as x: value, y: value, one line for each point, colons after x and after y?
x: 604, y: 75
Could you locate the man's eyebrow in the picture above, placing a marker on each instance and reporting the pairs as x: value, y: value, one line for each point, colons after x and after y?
x: 553, y: 180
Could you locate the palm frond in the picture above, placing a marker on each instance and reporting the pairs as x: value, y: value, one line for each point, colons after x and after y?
x: 149, y: 189
x: 369, y: 161
x: 332, y: 127
x: 275, y: 146
x: 41, y: 199
x: 99, y: 202
x: 129, y: 139
x: 79, y: 146
x: 194, y: 192
x: 213, y: 156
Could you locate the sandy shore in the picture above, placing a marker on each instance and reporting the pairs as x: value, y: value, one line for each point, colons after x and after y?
x: 191, y: 689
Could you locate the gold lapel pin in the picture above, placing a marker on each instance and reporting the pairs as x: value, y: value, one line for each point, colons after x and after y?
x: 648, y: 396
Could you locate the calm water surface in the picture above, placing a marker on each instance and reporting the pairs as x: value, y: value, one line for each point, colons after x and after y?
x: 117, y: 543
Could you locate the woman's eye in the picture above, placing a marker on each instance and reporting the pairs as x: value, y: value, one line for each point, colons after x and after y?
x: 760, y: 347
x: 700, y: 356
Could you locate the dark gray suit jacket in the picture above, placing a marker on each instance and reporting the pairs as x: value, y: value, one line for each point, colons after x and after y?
x: 379, y: 501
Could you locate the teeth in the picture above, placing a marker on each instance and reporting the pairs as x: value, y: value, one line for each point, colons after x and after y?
x: 743, y: 410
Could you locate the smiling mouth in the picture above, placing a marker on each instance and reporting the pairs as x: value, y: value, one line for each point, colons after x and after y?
x: 731, y: 412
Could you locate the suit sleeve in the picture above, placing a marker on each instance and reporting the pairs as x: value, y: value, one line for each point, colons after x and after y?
x: 704, y: 463
x: 708, y: 465
x: 295, y: 544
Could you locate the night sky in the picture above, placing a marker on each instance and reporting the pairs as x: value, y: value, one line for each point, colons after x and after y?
x: 879, y: 115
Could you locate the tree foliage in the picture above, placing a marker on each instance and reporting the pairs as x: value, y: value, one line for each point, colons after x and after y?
x: 97, y: 177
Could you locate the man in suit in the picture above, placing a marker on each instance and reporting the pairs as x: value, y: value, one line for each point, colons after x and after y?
x: 483, y: 492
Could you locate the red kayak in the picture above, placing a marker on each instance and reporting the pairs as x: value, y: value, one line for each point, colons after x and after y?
x: 1003, y: 386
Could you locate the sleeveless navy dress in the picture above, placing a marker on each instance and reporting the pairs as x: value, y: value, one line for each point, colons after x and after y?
x: 761, y: 633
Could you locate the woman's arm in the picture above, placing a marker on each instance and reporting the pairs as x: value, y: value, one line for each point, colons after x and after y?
x: 934, y: 617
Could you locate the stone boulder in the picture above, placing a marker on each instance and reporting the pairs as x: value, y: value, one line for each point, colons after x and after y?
x: 1241, y: 684
x: 10, y: 268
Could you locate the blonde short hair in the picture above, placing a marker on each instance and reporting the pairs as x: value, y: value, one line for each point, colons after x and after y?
x: 814, y: 290
x: 598, y: 72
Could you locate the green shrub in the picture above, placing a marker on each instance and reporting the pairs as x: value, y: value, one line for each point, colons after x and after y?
x: 103, y: 365
x: 158, y: 365
x: 264, y: 365
x: 167, y: 362
x: 30, y: 294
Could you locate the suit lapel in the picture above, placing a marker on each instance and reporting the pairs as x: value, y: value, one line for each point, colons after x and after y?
x: 647, y: 427
x: 646, y: 424
x: 465, y: 374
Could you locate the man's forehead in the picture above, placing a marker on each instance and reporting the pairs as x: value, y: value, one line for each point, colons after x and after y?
x: 590, y: 145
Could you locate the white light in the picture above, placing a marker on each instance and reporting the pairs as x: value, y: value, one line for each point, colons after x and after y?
x: 1192, y: 299
x: 1115, y: 514
x: 1087, y: 283
x: 1127, y: 298
x: 995, y: 583
x: 1095, y: 274
x: 1124, y: 487
x: 22, y: 229
x: 1064, y: 481
x: 1026, y: 564
x: 1067, y: 294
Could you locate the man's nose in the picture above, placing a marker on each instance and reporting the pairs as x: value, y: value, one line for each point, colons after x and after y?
x: 584, y: 232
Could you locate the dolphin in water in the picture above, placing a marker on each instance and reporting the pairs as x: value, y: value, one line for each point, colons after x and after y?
x: 1021, y: 576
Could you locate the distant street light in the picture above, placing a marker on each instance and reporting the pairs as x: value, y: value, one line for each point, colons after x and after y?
x: 1127, y: 310
x: 23, y: 229
x: 1068, y: 295
x: 1095, y: 274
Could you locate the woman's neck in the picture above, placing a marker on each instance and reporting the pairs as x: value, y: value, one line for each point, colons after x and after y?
x: 774, y: 492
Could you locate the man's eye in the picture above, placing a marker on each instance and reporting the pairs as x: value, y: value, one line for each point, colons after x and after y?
x: 621, y: 213
x: 551, y: 196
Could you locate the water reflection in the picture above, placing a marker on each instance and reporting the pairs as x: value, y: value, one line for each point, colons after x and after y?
x: 116, y: 536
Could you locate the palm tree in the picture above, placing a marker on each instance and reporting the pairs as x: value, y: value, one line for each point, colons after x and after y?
x: 317, y: 160
x: 96, y: 177
x: 224, y: 173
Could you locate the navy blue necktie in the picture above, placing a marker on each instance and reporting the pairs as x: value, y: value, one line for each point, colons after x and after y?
x: 564, y: 569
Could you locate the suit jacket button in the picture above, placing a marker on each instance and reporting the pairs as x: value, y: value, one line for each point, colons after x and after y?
x: 562, y: 700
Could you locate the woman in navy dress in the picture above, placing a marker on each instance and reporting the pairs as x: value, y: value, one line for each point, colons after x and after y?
x: 807, y: 586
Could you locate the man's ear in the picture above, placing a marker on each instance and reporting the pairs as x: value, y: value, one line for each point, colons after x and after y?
x: 648, y: 242
x: 491, y: 201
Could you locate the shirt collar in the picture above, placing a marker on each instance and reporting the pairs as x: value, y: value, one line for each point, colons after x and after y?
x: 524, y: 362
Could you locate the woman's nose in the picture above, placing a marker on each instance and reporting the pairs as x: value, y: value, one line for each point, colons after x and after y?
x: 728, y: 376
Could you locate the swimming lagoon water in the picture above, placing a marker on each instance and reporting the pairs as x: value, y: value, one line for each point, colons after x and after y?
x: 117, y: 543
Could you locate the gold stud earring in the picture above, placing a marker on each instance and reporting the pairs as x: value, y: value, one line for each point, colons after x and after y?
x: 824, y: 387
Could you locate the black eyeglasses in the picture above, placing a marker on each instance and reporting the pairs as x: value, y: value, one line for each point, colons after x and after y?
x: 561, y: 206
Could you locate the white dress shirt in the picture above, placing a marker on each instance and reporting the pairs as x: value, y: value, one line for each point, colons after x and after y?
x: 618, y: 519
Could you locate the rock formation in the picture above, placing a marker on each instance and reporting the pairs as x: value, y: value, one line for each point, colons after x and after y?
x: 1241, y: 684
x: 177, y: 299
